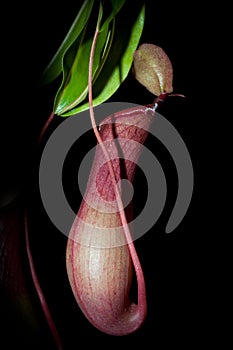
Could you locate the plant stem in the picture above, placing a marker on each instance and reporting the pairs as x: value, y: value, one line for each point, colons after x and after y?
x: 47, y: 123
x: 38, y: 287
x: 35, y: 280
x: 131, y: 247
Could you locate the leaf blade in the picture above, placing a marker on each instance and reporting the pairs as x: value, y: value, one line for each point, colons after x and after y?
x: 74, y: 87
x: 54, y: 68
x: 119, y: 61
x: 116, y: 6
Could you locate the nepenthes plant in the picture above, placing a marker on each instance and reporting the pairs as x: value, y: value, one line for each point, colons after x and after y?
x: 94, y: 59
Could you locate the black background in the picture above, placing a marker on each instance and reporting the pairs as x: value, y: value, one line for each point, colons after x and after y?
x: 173, y: 264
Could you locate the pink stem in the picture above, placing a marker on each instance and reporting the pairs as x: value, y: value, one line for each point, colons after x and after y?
x: 47, y: 123
x: 35, y: 280
x: 138, y: 269
x: 38, y: 288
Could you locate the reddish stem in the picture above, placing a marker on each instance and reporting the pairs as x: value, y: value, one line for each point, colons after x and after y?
x: 138, y: 269
x: 159, y: 101
x: 46, y: 125
x: 38, y: 288
x: 35, y: 280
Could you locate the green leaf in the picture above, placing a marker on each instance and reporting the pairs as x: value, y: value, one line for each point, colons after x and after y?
x: 129, y: 27
x: 115, y: 8
x: 74, y: 87
x: 55, y: 67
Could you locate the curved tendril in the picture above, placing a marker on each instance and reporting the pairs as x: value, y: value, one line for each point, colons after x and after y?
x: 138, y: 269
